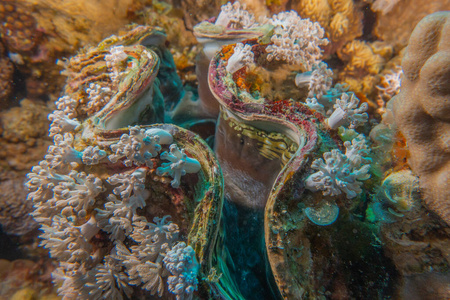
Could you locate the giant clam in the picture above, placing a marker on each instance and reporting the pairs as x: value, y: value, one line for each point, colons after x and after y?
x: 123, y: 210
x: 274, y: 139
x: 227, y: 28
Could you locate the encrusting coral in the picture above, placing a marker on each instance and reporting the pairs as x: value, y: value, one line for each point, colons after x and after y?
x: 422, y: 109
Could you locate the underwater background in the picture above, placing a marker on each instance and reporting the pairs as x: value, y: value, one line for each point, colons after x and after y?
x: 253, y: 149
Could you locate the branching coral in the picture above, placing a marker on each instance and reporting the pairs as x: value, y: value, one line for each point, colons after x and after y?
x: 179, y: 165
x: 341, y: 173
x: 347, y: 110
x: 295, y: 40
x: 139, y: 146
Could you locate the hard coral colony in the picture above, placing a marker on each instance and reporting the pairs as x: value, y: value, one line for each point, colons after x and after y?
x: 133, y: 203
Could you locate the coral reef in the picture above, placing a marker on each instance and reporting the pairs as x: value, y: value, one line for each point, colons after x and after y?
x: 6, y: 76
x: 421, y: 109
x: 363, y: 63
x: 334, y: 158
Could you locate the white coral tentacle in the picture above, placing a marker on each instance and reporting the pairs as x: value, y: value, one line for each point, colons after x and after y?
x: 183, y: 266
x: 61, y: 123
x: 62, y: 156
x: 117, y: 215
x: 92, y: 155
x: 179, y: 165
x: 242, y: 56
x: 235, y: 16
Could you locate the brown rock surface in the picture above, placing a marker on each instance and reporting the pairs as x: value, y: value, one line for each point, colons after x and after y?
x: 396, y: 25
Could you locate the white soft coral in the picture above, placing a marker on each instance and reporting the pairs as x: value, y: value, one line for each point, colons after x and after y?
x: 295, y: 40
x: 242, y: 56
x: 337, y: 173
x: 139, y: 146
x: 235, y: 16
x: 347, y: 111
x: 179, y: 165
x: 117, y: 215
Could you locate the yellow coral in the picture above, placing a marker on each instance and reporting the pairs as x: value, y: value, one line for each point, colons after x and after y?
x: 362, y: 66
x: 361, y: 58
x: 338, y: 26
x: 25, y: 294
x: 316, y: 10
